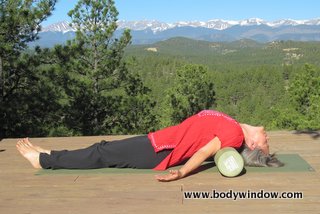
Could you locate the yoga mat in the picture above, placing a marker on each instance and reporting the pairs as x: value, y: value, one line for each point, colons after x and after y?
x: 293, y: 163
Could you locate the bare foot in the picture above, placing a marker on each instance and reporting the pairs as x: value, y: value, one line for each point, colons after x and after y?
x: 38, y: 148
x: 30, y: 153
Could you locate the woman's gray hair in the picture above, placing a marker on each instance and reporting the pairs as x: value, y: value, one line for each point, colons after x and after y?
x: 256, y: 157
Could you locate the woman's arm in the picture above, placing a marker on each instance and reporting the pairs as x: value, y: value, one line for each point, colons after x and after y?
x: 194, y: 162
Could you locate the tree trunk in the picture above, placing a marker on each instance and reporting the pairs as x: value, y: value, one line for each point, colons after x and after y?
x: 1, y: 80
x: 95, y: 69
x: 96, y: 86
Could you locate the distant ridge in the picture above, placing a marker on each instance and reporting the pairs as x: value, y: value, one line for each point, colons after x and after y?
x: 217, y: 24
x: 217, y: 30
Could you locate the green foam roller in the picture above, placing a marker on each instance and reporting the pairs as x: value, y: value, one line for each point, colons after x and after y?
x: 229, y: 162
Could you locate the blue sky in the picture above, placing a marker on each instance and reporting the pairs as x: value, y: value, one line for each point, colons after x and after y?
x: 171, y: 11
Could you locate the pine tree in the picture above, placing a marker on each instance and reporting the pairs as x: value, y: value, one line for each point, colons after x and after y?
x: 99, y: 93
x: 191, y: 93
x: 304, y: 92
x: 19, y: 24
x: 137, y: 109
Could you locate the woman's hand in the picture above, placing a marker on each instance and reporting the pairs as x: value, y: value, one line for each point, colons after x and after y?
x: 194, y: 162
x: 172, y: 176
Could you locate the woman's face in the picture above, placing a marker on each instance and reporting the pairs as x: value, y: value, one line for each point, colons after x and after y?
x: 261, y: 140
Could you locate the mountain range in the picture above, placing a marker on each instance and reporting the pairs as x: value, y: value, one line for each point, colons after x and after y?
x: 217, y: 30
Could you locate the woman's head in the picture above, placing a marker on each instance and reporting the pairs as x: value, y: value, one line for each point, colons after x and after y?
x: 256, y: 137
x: 255, y: 150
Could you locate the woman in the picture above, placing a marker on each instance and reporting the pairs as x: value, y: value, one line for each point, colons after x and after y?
x: 191, y: 142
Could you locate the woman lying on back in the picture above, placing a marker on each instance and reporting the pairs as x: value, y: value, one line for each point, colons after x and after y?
x: 191, y: 142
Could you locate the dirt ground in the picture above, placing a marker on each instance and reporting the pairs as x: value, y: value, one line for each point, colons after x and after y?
x: 21, y: 191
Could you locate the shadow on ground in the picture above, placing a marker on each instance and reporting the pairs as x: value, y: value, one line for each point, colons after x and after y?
x: 313, y: 134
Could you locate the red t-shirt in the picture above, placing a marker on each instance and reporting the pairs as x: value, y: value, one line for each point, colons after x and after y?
x: 193, y: 133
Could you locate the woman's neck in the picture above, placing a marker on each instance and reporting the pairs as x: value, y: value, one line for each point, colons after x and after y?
x: 248, y: 134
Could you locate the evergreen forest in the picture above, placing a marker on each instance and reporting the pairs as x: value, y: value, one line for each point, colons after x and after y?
x: 99, y: 84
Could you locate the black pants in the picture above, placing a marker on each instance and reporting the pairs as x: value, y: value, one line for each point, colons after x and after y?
x: 136, y: 152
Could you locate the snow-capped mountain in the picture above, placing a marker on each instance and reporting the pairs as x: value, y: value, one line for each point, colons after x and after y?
x: 62, y: 26
x: 217, y: 24
x: 153, y: 25
x: 216, y: 30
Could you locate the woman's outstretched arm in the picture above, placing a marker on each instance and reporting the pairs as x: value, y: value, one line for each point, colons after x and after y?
x: 193, y: 163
